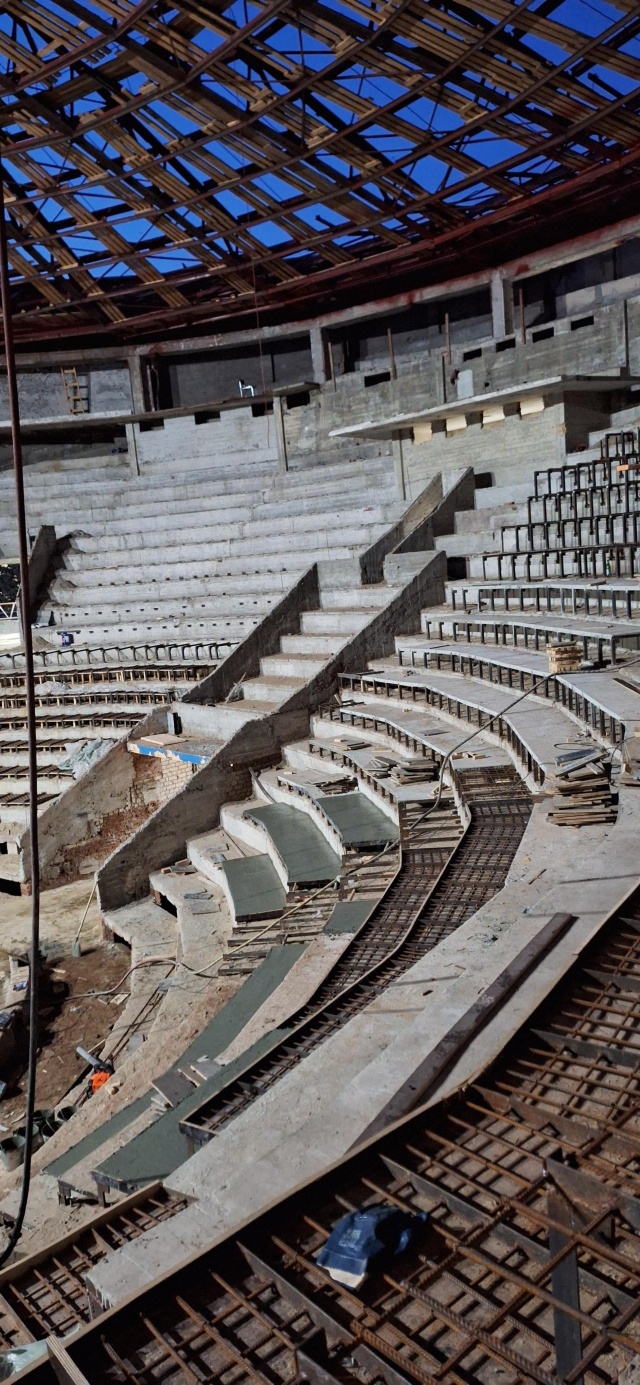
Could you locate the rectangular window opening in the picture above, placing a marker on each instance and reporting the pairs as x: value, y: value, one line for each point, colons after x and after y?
x: 379, y: 379
x: 147, y: 425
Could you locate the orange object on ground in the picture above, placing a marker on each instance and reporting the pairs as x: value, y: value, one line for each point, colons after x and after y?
x: 98, y: 1080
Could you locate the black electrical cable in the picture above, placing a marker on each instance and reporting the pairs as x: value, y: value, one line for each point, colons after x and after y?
x: 25, y: 610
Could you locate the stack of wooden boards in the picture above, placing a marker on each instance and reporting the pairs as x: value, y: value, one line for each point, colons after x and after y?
x: 565, y: 657
x: 582, y: 788
x: 413, y: 771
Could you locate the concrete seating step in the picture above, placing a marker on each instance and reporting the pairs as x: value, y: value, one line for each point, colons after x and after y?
x: 318, y: 539
x: 166, y: 521
x: 494, y: 497
x: 478, y: 521
x: 271, y: 691
x: 531, y: 730
x: 170, y: 595
x: 609, y: 598
x: 359, y: 823
x: 299, y: 852
x: 312, y: 644
x: 302, y: 666
x: 253, y: 888
x: 237, y: 507
x: 329, y: 621
x: 605, y: 701
x: 600, y: 638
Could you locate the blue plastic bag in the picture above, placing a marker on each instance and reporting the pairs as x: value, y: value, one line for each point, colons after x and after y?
x: 361, y: 1239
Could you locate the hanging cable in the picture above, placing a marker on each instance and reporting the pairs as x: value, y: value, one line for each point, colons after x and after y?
x: 25, y: 609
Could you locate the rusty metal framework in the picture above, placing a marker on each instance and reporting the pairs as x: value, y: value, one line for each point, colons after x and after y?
x: 46, y: 1292
x: 529, y: 1265
x: 169, y: 164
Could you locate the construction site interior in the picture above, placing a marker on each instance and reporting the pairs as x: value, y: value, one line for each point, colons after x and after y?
x: 334, y: 592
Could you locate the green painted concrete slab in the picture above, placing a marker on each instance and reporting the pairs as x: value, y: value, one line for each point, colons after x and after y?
x: 226, y: 1025
x: 349, y: 915
x: 255, y: 888
x: 156, y: 1152
x: 359, y: 822
x: 91, y: 1142
x: 307, y: 856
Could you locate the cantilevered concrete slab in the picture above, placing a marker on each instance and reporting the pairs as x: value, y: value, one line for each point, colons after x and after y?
x: 550, y: 388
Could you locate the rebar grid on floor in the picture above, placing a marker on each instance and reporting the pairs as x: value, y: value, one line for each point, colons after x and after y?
x: 528, y: 1268
x: 47, y: 1293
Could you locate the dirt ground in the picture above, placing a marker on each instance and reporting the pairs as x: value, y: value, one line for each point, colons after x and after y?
x: 101, y: 966
x: 69, y: 1023
x: 61, y: 911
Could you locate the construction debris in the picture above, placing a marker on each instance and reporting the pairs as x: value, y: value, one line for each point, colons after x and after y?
x: 414, y: 771
x: 582, y: 789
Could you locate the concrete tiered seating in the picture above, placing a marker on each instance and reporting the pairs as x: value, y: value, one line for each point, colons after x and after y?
x: 161, y: 577
x: 580, y: 520
x: 204, y: 558
x: 610, y: 598
x: 342, y: 613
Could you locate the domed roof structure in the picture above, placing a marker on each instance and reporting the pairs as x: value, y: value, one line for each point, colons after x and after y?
x: 170, y: 165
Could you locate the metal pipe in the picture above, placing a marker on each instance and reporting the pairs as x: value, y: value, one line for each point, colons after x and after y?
x: 25, y: 604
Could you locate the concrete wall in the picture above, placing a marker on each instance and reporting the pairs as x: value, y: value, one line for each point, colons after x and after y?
x: 244, y: 660
x: 41, y: 394
x: 584, y: 284
x: 163, y: 837
x: 215, y: 376
x: 510, y: 451
x: 78, y: 831
x: 427, y: 360
x: 425, y: 379
x: 41, y: 566
x: 235, y: 439
x: 364, y: 347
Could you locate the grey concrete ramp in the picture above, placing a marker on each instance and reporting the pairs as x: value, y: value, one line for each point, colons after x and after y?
x: 361, y: 824
x: 307, y: 857
x: 255, y: 889
x: 159, y: 1150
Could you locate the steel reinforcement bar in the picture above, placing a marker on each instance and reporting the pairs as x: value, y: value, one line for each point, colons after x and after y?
x: 46, y: 1292
x: 527, y: 1267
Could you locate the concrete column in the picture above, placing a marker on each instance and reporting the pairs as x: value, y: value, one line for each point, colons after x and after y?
x: 131, y: 430
x: 278, y: 418
x: 318, y: 361
x: 137, y: 384
x: 509, y: 306
x: 501, y: 305
x: 398, y: 462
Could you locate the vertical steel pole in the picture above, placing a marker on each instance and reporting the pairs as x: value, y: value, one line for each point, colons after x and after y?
x: 25, y: 605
